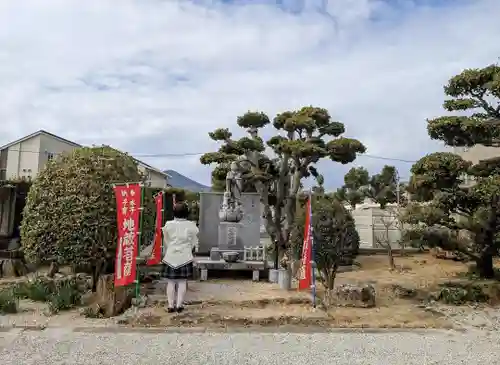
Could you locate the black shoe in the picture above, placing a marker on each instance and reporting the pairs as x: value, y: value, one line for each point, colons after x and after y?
x: 180, y: 309
x: 170, y: 310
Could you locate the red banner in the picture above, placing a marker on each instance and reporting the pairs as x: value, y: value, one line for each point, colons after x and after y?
x: 155, y: 258
x: 305, y: 272
x: 128, y: 202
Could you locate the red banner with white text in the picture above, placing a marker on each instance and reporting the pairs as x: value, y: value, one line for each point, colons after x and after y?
x: 155, y: 258
x: 128, y: 202
x: 305, y: 272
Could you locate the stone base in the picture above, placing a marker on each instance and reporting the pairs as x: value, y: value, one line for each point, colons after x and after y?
x: 203, y: 265
x: 273, y: 276
x: 284, y: 279
x: 216, y: 253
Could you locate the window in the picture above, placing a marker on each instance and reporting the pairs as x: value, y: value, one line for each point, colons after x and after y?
x: 50, y: 156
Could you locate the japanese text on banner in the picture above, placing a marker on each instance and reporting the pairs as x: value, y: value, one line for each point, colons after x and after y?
x: 128, y: 199
x: 305, y: 279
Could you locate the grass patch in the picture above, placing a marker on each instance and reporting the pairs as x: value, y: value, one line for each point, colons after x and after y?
x: 59, y: 295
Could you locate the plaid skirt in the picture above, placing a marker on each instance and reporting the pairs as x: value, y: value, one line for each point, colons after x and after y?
x: 181, y: 272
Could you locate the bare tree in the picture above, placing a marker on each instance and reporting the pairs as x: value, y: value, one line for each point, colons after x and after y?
x: 390, y: 222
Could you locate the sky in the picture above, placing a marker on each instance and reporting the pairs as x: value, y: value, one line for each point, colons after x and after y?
x: 153, y: 77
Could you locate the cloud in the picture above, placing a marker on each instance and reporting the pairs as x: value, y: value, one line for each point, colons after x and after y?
x: 154, y: 77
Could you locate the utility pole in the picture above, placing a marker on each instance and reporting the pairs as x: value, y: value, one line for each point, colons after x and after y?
x: 397, y: 189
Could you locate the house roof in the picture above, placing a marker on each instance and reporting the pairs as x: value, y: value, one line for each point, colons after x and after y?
x: 150, y: 167
x: 40, y: 132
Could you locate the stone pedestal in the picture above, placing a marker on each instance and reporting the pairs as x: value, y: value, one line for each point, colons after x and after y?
x: 273, y: 276
x: 230, y: 237
x: 284, y: 279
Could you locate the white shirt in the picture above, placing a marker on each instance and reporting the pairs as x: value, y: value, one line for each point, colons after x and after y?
x: 180, y: 236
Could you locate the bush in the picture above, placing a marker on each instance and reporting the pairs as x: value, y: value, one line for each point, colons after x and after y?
x: 65, y: 296
x: 8, y: 301
x: 326, y: 209
x: 70, y: 212
x: 58, y: 294
x: 336, y: 241
x: 459, y: 294
x: 37, y: 289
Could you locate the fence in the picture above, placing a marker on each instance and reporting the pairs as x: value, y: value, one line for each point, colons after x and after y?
x: 375, y: 224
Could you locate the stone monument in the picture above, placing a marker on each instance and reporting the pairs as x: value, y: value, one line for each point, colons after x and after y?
x: 231, y: 211
x: 236, y: 227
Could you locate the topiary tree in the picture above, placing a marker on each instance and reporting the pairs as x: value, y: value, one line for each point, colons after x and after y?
x: 336, y: 240
x: 383, y: 187
x: 191, y: 198
x: 451, y: 205
x: 320, y: 201
x: 355, y: 185
x: 301, y: 138
x: 70, y: 212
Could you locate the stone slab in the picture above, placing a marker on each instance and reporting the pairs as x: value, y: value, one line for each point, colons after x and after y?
x: 223, y: 265
x: 230, y: 236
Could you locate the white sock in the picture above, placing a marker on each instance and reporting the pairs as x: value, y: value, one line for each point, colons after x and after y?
x: 171, y: 293
x: 181, y: 292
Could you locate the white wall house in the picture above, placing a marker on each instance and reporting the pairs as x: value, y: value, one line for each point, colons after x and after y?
x: 25, y: 157
x: 475, y: 154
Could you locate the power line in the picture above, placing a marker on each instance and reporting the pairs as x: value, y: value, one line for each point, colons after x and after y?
x: 387, y: 158
x: 189, y: 154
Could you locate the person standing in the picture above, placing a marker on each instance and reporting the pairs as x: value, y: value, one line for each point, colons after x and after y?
x: 180, y: 241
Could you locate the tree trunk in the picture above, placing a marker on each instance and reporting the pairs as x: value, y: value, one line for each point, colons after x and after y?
x: 53, y: 269
x: 328, y: 298
x: 96, y: 273
x: 276, y: 251
x: 392, y: 265
x: 485, y: 265
x: 328, y: 280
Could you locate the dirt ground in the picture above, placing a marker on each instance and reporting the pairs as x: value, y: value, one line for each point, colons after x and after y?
x: 226, y: 303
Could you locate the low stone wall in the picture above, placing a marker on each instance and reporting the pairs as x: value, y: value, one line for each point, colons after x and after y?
x: 367, y: 251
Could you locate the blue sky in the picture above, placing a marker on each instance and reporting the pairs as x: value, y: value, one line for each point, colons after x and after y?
x: 155, y: 76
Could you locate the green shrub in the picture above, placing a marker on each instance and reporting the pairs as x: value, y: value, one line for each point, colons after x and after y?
x: 460, y: 293
x: 8, y: 301
x: 65, y: 296
x: 328, y: 215
x: 336, y: 241
x: 70, y: 212
x: 37, y: 289
x: 59, y: 295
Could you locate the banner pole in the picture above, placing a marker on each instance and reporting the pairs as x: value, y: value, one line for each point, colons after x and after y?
x: 126, y: 183
x: 139, y: 241
x: 163, y: 200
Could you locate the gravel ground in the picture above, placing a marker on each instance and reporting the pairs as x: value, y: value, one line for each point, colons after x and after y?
x: 62, y: 346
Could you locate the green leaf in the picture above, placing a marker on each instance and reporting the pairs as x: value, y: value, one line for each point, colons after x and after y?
x: 253, y: 120
x: 344, y: 150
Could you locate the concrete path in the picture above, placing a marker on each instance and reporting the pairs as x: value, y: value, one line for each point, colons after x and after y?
x: 65, y: 346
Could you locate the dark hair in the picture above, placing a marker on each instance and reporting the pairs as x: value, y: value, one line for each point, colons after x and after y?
x: 181, y: 210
